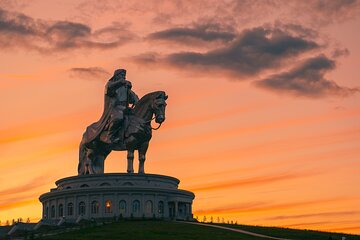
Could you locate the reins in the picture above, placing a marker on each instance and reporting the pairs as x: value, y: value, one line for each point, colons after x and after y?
x: 150, y: 124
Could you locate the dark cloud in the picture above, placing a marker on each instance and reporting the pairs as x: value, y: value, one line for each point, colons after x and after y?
x: 19, y: 24
x: 299, y: 30
x: 307, y: 79
x: 315, y: 13
x: 336, y: 10
x: 65, y: 35
x: 89, y: 73
x: 253, y: 51
x: 21, y: 31
x: 147, y: 58
x: 261, y: 50
x: 340, y: 52
x: 192, y: 35
x: 162, y: 18
x: 334, y: 5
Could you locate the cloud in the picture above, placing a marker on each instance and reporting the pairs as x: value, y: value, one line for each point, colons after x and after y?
x: 32, y: 184
x: 340, y: 52
x: 44, y: 127
x: 252, y: 52
x: 335, y: 10
x: 324, y: 214
x: 232, y: 208
x: 65, y: 34
x: 265, y: 206
x: 316, y: 13
x: 149, y: 58
x: 18, y: 203
x: 46, y: 36
x: 261, y: 50
x: 306, y: 224
x: 246, y: 182
x: 194, y: 35
x: 307, y: 79
x: 299, y: 30
x: 162, y: 18
x: 89, y: 73
x: 343, y: 229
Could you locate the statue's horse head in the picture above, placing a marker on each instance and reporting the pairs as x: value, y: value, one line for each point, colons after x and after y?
x: 152, y: 103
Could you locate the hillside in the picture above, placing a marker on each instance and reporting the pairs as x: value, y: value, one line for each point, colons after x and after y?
x: 161, y: 230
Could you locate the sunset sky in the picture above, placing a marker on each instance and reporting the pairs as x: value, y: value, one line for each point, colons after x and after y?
x: 263, y: 115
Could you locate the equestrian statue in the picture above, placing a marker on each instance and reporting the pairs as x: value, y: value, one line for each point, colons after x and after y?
x: 121, y: 127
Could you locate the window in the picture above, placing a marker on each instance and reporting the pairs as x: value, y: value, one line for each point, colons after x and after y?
x: 122, y: 207
x: 136, y: 207
x: 82, y: 209
x: 95, y: 207
x: 70, y: 209
x: 148, y: 207
x: 52, y: 211
x: 61, y: 210
x: 161, y: 207
x: 108, y: 206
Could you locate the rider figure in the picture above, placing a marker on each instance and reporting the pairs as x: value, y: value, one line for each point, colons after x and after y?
x: 119, y: 91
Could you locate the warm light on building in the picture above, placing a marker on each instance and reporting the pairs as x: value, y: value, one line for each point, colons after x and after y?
x: 108, y: 206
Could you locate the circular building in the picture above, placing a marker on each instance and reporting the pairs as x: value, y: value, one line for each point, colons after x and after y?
x: 120, y: 195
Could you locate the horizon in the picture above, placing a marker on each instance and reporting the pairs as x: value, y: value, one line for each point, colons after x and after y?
x: 263, y: 116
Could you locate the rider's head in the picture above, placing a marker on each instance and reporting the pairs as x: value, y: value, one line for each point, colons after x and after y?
x: 120, y: 73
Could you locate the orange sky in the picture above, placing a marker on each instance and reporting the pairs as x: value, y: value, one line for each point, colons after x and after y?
x: 263, y: 116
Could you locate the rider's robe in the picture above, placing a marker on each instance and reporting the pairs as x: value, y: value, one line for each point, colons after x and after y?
x: 94, y: 130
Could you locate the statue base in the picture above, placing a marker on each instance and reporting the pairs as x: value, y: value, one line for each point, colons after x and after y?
x: 116, y: 195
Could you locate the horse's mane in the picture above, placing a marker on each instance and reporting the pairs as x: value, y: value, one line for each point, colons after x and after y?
x: 148, y: 97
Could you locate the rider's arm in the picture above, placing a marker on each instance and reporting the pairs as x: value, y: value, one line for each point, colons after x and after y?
x: 133, y: 98
x: 112, y: 86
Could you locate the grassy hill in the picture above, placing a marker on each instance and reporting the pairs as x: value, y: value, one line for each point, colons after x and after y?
x: 161, y: 230
x: 294, y: 234
x: 4, y: 230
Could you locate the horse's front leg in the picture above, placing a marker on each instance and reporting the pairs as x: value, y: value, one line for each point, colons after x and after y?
x: 142, y: 155
x: 130, y: 159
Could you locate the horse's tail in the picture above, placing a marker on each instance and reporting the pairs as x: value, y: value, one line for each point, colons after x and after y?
x: 82, y: 158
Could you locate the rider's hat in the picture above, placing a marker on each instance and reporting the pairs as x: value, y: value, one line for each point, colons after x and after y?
x: 119, y: 71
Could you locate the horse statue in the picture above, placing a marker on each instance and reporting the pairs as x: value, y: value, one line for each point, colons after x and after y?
x: 136, y: 136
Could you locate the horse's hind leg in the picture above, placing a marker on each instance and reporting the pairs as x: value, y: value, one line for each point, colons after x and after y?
x: 98, y: 162
x: 142, y: 155
x: 130, y: 159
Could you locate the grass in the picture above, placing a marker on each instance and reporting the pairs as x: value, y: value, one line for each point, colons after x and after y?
x: 150, y: 230
x: 294, y: 234
x: 4, y: 230
x: 161, y: 230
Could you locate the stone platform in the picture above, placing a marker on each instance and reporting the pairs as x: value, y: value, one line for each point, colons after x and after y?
x: 119, y: 195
